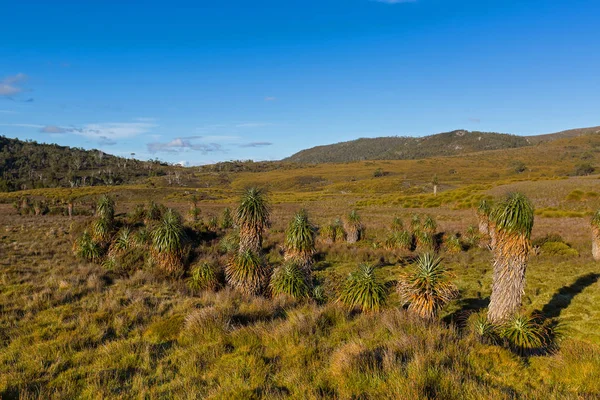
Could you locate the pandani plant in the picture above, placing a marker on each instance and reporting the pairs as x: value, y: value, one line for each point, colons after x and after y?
x: 226, y: 219
x: 353, y: 227
x: 168, y: 243
x: 247, y: 272
x: 512, y: 221
x: 252, y: 218
x: 364, y: 290
x: 86, y: 248
x: 289, y: 280
x: 300, y: 241
x: 426, y: 289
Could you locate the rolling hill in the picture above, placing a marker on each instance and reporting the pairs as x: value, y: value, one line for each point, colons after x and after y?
x: 411, y: 148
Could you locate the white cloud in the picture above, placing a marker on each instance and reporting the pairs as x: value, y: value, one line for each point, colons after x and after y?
x: 9, y: 86
x: 7, y: 112
x: 182, y: 144
x: 270, y: 98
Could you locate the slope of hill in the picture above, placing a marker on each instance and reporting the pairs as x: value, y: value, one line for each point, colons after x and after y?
x: 29, y: 165
x: 409, y: 148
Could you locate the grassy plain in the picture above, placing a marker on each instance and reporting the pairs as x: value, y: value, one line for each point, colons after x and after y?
x: 70, y: 329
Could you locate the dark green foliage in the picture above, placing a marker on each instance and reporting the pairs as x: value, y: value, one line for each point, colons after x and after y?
x: 584, y: 169
x: 518, y: 166
x: 364, y: 290
x: 514, y: 215
x: 405, y: 148
x: 60, y: 166
x: 289, y: 279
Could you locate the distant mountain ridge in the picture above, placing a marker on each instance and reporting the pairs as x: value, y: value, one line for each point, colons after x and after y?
x: 409, y: 148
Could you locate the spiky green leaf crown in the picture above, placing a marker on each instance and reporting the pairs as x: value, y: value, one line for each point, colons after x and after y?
x: 596, y: 219
x: 253, y: 210
x: 484, y: 207
x: 354, y: 217
x: 300, y: 235
x: 514, y: 214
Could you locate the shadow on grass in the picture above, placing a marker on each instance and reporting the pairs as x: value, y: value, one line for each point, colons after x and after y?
x: 468, y: 306
x: 563, y: 297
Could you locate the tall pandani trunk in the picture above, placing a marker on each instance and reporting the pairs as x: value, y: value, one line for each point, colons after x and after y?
x: 596, y: 242
x: 511, y: 252
x: 250, y: 239
x: 303, y: 259
x: 486, y: 230
x: 352, y: 234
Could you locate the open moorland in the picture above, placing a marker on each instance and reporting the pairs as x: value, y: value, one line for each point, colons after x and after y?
x: 94, y: 305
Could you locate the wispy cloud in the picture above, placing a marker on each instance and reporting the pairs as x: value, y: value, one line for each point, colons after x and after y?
x: 10, y: 85
x: 475, y: 120
x: 256, y: 144
x: 182, y: 144
x: 253, y: 125
x: 8, y: 112
x: 52, y: 129
x: 36, y: 126
x: 104, y: 141
x: 270, y: 98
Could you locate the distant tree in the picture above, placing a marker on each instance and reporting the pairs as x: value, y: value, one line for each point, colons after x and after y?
x: 584, y: 169
x: 518, y: 166
x: 435, y: 182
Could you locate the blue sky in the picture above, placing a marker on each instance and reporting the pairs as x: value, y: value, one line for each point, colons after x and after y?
x: 208, y: 81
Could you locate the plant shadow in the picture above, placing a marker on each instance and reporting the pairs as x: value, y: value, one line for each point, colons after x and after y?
x: 563, y: 297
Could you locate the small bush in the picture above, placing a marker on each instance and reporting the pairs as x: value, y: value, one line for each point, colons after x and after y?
x: 558, y: 249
